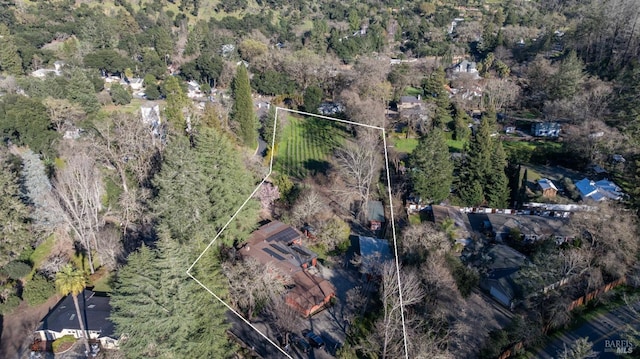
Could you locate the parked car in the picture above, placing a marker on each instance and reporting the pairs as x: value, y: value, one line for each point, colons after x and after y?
x: 300, y: 343
x: 314, y: 339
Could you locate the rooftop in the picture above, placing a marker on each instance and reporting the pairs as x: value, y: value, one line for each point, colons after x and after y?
x: 546, y: 183
x: 309, y: 290
x: 375, y: 211
x: 95, y: 310
x: 278, y: 243
x: 598, y: 191
x: 409, y: 99
x: 374, y: 251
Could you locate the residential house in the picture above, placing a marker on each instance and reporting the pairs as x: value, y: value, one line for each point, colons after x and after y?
x: 281, y: 245
x: 500, y: 281
x: 330, y: 108
x: 509, y: 129
x: 549, y: 190
x: 409, y: 102
x: 150, y: 116
x: 459, y: 222
x: 545, y: 129
x: 193, y: 89
x: 465, y: 66
x: 95, y: 311
x: 56, y: 70
x: 529, y: 228
x: 598, y: 191
x: 373, y: 252
x: 415, y: 204
x: 375, y: 215
x: 136, y: 83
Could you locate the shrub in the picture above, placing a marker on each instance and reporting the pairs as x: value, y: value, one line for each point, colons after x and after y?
x: 9, y: 304
x: 16, y: 269
x: 38, y: 290
x: 120, y: 95
x: 466, y: 278
x: 61, y: 344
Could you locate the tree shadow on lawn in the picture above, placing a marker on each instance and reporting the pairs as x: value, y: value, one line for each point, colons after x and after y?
x: 316, y: 166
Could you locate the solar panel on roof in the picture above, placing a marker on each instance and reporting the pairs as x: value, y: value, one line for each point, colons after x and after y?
x: 302, y: 251
x: 280, y: 248
x: 271, y: 227
x: 285, y: 236
x: 273, y: 254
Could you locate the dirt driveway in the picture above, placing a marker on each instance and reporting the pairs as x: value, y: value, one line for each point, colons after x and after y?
x: 18, y: 327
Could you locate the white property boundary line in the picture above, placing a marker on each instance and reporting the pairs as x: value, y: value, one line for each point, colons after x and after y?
x: 393, y: 226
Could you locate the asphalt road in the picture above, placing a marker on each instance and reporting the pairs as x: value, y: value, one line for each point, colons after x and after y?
x: 601, y: 330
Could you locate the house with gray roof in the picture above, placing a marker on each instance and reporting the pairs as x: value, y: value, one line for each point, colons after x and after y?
x: 94, y: 309
x: 375, y: 215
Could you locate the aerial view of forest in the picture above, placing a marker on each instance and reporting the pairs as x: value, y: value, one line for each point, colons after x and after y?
x: 320, y: 179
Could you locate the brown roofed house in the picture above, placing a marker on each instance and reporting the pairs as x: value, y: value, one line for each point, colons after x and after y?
x: 281, y: 245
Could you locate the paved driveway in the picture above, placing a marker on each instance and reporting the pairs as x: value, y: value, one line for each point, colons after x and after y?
x: 605, y: 327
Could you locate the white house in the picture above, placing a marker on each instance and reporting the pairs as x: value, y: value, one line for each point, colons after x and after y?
x: 193, y: 89
x: 62, y: 320
x: 136, y: 83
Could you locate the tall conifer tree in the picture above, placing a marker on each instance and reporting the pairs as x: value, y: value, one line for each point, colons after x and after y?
x: 431, y: 167
x: 242, y: 111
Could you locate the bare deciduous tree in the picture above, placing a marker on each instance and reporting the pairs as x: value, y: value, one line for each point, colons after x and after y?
x: 251, y: 283
x: 500, y: 93
x: 78, y: 190
x: 389, y: 332
x: 63, y: 113
x: 109, y: 248
x: 308, y: 205
x: 423, y: 240
x: 283, y: 316
x: 358, y: 164
x: 127, y: 144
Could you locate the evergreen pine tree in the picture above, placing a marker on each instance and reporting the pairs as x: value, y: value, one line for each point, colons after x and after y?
x: 312, y: 98
x: 431, y: 167
x: 434, y: 90
x: 164, y: 312
x: 10, y: 61
x: 462, y: 130
x: 522, y: 192
x: 14, y: 216
x: 476, y: 166
x: 176, y: 103
x: 242, y: 111
x: 200, y: 187
x: 81, y: 91
x: 497, y: 184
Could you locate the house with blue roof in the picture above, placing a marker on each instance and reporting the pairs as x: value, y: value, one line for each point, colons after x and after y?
x: 599, y: 191
x: 373, y: 253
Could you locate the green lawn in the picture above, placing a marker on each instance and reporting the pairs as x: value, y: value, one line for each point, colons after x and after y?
x: 413, y: 91
x: 404, y: 145
x: 407, y: 145
x: 305, y: 145
x: 103, y: 284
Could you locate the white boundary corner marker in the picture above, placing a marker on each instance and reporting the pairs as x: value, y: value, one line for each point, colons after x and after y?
x: 393, y: 226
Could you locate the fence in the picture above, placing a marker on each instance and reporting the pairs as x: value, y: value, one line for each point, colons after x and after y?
x: 514, y: 349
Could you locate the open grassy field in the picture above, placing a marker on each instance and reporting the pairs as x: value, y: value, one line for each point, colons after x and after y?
x: 407, y: 145
x: 305, y: 145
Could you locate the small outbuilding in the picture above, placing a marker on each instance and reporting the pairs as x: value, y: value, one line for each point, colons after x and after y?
x: 375, y: 215
x: 549, y: 190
